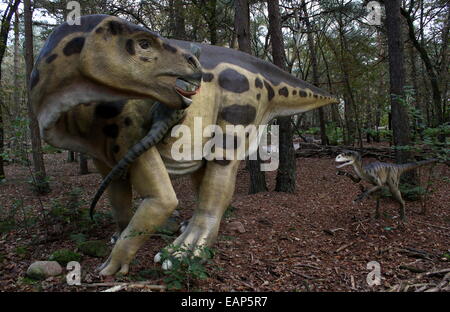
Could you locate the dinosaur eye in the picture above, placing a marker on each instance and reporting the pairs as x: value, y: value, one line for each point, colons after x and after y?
x: 144, y: 44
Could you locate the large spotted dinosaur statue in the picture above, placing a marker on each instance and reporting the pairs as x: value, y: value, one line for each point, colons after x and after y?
x: 94, y: 88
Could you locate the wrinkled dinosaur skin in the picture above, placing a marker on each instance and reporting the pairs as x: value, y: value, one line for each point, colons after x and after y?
x: 236, y: 89
x: 378, y: 174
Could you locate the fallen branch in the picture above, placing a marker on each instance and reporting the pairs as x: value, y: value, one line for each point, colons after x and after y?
x: 344, y: 247
x: 432, y: 225
x: 117, y: 286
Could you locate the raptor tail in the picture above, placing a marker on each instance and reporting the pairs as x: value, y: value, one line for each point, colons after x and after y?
x: 164, y: 119
x: 416, y: 164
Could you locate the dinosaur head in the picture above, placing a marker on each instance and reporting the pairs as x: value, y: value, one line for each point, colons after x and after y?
x: 107, y: 59
x: 347, y: 158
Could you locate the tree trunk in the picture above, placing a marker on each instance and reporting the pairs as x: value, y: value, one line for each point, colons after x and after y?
x: 5, y: 25
x: 42, y: 185
x: 242, y: 28
x: 179, y: 22
x: 70, y: 156
x: 287, y: 171
x: 83, y: 164
x: 315, y: 70
x: 400, y: 120
x: 432, y: 75
x: 17, y: 88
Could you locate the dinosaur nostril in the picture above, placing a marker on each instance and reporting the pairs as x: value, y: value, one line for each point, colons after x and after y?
x: 191, y: 60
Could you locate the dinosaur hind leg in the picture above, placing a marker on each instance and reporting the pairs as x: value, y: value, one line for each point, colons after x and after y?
x: 151, y: 180
x: 215, y: 193
x: 398, y: 196
x: 120, y: 194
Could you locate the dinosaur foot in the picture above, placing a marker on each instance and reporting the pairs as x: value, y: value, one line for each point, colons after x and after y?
x: 191, y: 243
x: 119, y: 260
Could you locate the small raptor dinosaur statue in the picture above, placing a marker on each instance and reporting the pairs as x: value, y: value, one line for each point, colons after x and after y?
x: 379, y: 174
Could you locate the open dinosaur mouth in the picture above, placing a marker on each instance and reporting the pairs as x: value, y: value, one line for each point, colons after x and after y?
x: 186, y: 89
x: 344, y: 161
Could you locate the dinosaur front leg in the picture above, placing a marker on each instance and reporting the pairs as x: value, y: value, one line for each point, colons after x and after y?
x: 349, y: 175
x: 364, y: 195
x: 120, y: 194
x: 150, y: 179
x: 215, y: 193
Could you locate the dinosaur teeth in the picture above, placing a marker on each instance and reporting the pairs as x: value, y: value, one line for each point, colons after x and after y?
x: 186, y: 85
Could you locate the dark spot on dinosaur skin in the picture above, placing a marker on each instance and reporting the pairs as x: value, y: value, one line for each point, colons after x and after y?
x: 51, y: 58
x: 258, y: 96
x: 270, y: 91
x: 303, y: 93
x: 233, y: 81
x: 115, y: 28
x: 207, y: 77
x: 99, y: 30
x: 127, y: 121
x: 316, y: 96
x: 111, y: 130
x: 74, y: 46
x: 144, y: 59
x: 107, y: 110
x: 258, y: 83
x: 283, y: 92
x: 34, y: 79
x: 129, y: 46
x: 169, y: 47
x: 116, y: 149
x: 222, y: 162
x: 88, y: 23
x: 294, y: 92
x: 238, y: 114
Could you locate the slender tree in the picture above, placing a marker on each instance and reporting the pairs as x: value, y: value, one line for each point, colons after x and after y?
x: 315, y: 69
x: 5, y: 26
x: 287, y: 170
x: 38, y: 159
x: 242, y: 28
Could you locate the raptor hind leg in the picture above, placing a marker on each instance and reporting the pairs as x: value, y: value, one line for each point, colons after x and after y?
x: 398, y: 196
x: 120, y: 196
x: 151, y: 180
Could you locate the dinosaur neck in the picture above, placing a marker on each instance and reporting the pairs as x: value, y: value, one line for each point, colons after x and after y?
x: 359, y: 169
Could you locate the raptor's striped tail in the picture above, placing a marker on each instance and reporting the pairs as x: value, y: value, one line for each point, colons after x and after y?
x: 163, y: 119
x: 416, y: 164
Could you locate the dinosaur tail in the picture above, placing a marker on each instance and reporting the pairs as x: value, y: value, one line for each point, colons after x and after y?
x: 416, y: 164
x: 163, y: 122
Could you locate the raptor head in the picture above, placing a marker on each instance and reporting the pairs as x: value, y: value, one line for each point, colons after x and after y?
x: 106, y: 58
x: 347, y: 158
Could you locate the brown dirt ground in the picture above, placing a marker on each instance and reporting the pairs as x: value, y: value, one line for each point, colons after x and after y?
x: 284, y: 246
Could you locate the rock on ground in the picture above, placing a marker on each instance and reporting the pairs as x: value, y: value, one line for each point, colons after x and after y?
x: 44, y: 269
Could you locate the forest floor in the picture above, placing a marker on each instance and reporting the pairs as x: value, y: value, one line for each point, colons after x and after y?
x: 313, y: 240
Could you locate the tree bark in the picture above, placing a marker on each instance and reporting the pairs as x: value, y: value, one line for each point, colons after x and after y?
x: 432, y: 75
x: 400, y: 120
x: 179, y: 22
x: 38, y: 159
x: 5, y: 26
x: 16, y: 96
x: 242, y: 28
x: 286, y: 175
x: 315, y: 71
x: 83, y: 164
